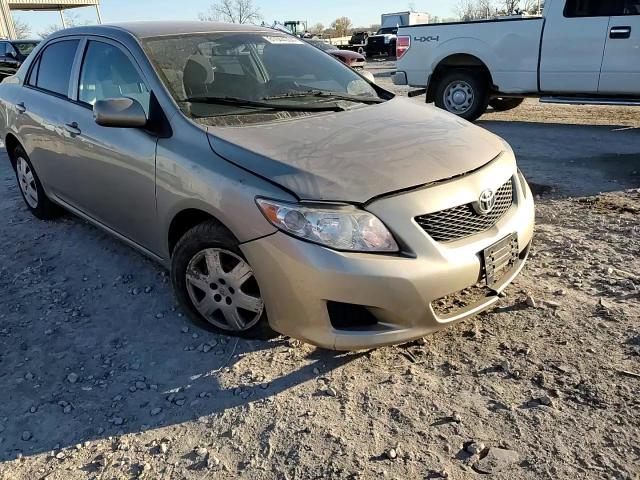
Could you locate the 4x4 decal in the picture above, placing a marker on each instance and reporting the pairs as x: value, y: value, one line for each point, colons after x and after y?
x: 427, y: 39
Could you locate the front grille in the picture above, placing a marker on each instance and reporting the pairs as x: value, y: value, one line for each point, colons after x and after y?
x: 463, y: 221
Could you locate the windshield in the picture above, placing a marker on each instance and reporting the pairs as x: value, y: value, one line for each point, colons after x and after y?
x: 210, y: 74
x: 324, y: 46
x: 387, y: 31
x: 25, y: 48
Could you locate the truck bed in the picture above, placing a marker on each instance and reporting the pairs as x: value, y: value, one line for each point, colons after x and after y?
x: 510, y: 48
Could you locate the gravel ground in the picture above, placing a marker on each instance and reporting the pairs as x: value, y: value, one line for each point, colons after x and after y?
x: 103, y: 378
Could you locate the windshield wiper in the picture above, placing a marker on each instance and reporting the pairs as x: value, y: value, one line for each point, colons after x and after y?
x: 245, y: 103
x: 328, y: 95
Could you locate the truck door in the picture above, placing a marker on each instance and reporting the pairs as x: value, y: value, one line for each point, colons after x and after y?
x: 573, y: 45
x: 621, y: 63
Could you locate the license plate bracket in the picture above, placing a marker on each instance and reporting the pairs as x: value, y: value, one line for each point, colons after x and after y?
x: 499, y: 258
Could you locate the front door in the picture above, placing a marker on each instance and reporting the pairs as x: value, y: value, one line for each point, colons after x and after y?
x: 573, y: 46
x: 112, y: 170
x: 621, y: 63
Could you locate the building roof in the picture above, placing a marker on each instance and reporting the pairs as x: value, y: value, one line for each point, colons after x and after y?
x: 50, y: 4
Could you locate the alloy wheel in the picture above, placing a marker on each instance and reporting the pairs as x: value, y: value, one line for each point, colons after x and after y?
x: 223, y: 288
x: 27, y: 182
x: 458, y: 97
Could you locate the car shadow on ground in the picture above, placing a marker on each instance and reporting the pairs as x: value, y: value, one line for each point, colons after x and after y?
x: 573, y: 160
x: 92, y: 344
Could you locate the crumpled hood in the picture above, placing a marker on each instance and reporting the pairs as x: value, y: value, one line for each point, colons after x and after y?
x: 360, y: 154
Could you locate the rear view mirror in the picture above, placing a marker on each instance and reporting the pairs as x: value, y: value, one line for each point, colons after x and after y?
x: 119, y: 112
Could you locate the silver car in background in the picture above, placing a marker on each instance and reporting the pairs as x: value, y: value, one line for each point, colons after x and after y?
x: 279, y: 186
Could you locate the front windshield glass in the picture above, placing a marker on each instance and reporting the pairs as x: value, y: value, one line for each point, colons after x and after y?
x: 324, y: 46
x: 389, y: 30
x: 253, y: 66
x: 25, y: 48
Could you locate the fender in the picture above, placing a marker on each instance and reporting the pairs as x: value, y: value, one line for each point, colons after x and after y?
x: 464, y: 46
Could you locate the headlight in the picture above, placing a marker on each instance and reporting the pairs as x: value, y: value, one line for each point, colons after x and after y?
x: 338, y: 227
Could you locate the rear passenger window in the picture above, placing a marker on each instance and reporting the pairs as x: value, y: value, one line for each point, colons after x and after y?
x: 587, y: 8
x: 52, y: 71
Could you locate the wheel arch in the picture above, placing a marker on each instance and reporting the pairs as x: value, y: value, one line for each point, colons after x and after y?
x: 465, y: 61
x: 184, y: 220
x: 11, y: 142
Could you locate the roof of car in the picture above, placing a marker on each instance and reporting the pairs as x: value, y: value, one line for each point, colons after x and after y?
x: 164, y: 28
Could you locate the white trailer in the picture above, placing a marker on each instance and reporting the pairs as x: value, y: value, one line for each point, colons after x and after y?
x: 384, y: 41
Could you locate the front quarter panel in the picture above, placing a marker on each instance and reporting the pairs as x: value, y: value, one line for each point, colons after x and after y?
x: 190, y: 175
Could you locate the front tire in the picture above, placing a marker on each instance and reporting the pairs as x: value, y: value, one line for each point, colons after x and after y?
x: 31, y: 188
x: 463, y: 93
x: 215, y: 283
x: 500, y: 104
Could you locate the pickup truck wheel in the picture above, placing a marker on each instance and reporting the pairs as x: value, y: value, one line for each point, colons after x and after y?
x: 215, y: 283
x: 503, y: 104
x: 463, y: 93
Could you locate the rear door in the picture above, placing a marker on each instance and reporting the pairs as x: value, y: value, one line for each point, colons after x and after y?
x: 40, y: 108
x: 573, y: 45
x: 110, y: 172
x: 621, y: 63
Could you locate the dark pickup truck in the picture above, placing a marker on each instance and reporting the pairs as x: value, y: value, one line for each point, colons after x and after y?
x: 13, y: 53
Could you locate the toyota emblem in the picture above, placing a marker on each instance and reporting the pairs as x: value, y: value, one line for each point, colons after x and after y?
x: 486, y: 202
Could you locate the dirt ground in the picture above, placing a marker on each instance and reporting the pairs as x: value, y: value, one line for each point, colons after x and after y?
x: 103, y: 378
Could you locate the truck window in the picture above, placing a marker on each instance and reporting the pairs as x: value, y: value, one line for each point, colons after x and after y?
x: 627, y: 7
x: 587, y: 8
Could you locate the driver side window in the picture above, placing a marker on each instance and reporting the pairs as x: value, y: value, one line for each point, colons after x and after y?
x: 107, y: 72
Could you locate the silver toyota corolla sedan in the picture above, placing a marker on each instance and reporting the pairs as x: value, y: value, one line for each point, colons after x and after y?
x: 279, y: 186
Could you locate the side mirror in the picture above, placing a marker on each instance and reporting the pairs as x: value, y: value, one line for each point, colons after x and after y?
x: 369, y: 76
x: 119, y: 112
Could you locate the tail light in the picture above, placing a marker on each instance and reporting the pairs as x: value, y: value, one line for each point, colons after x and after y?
x: 402, y: 45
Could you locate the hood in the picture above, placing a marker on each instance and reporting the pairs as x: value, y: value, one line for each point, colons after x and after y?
x: 360, y: 154
x: 347, y: 54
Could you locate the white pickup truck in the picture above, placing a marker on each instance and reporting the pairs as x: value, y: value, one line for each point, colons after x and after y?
x: 579, y: 51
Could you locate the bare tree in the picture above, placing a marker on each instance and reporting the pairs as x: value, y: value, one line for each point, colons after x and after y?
x: 467, y: 10
x: 233, y: 11
x: 510, y: 7
x: 23, y: 30
x: 342, y: 26
x: 317, y: 29
x: 70, y: 19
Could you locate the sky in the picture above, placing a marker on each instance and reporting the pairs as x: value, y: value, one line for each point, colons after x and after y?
x: 361, y: 12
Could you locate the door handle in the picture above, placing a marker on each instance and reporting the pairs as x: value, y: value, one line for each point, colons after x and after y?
x: 20, y: 108
x: 620, y: 32
x: 72, y: 128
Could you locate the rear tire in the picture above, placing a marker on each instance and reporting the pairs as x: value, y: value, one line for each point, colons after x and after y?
x: 501, y: 104
x: 31, y: 188
x: 214, y: 283
x: 463, y: 93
